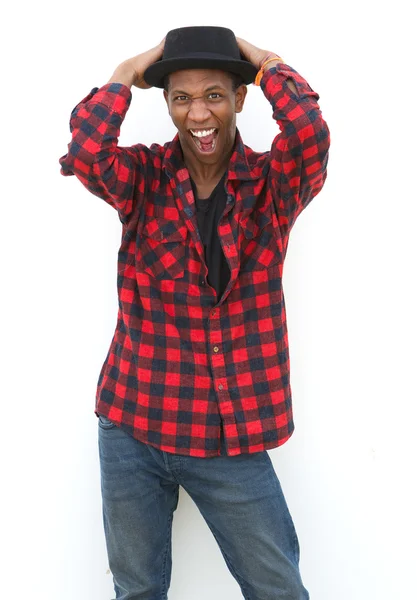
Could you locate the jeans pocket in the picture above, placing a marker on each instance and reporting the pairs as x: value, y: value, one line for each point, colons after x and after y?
x: 105, y: 423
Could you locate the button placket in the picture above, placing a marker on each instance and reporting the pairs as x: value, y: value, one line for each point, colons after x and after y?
x: 217, y: 358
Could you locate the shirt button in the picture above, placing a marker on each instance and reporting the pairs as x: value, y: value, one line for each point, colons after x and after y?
x: 220, y: 386
x: 216, y: 349
x: 202, y: 282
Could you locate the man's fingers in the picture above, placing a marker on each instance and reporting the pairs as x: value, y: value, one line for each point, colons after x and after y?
x: 161, y: 45
x: 244, y: 48
x: 240, y: 43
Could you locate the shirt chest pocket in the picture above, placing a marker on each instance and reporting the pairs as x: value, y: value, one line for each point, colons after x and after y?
x: 162, y: 248
x: 258, y: 243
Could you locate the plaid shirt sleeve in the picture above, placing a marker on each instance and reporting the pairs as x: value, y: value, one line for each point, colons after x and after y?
x: 299, y: 153
x: 114, y: 174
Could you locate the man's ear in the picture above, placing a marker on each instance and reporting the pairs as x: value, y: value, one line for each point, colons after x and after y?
x: 166, y: 100
x: 240, y: 96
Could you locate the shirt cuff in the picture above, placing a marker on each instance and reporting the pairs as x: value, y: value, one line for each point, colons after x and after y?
x: 278, y: 74
x: 115, y: 96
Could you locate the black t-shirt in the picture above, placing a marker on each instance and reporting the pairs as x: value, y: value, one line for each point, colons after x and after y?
x: 209, y: 211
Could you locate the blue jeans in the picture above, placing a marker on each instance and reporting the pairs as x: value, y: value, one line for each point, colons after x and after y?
x: 239, y: 497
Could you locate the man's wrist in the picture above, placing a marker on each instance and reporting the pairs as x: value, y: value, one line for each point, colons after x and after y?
x: 269, y: 56
x: 123, y: 74
x: 272, y: 63
x: 269, y: 61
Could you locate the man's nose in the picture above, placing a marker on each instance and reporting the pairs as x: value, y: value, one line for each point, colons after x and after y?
x: 199, y: 111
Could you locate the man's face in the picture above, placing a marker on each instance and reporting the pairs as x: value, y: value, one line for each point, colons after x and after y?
x: 203, y: 107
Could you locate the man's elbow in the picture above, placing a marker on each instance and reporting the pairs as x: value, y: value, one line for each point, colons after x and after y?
x: 323, y: 145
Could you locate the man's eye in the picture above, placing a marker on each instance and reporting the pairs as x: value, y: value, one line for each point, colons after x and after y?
x: 215, y: 94
x: 180, y: 98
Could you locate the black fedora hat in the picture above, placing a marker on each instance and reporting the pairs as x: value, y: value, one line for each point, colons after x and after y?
x: 200, y: 48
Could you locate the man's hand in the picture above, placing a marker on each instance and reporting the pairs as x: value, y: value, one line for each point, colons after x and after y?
x: 253, y: 54
x: 257, y: 56
x: 130, y: 72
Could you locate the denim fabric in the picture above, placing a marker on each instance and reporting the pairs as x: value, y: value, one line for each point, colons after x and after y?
x: 240, y: 498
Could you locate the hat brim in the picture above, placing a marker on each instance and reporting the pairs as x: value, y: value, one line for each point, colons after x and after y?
x: 154, y: 75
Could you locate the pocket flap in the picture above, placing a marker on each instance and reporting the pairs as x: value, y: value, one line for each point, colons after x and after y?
x: 165, y: 230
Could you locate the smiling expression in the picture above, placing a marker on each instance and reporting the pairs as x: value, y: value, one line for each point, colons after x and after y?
x: 203, y: 107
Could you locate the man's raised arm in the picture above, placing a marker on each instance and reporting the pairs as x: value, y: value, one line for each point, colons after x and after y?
x: 299, y: 153
x: 108, y: 171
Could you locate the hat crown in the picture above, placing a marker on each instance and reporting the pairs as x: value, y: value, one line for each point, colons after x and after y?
x: 204, y: 47
x: 188, y: 40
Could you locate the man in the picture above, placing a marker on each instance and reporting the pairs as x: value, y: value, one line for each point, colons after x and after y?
x: 195, y: 387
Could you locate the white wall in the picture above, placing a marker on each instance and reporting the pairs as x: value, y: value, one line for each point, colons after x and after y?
x: 349, y: 470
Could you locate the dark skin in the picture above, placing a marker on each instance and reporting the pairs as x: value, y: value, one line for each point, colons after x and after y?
x: 200, y: 107
x: 201, y: 99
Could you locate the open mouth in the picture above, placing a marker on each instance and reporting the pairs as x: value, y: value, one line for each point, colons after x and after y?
x: 205, y: 139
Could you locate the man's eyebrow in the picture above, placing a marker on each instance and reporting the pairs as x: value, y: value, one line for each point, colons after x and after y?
x: 209, y: 89
x: 214, y: 87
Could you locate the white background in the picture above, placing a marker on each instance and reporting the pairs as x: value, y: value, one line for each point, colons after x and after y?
x: 349, y: 470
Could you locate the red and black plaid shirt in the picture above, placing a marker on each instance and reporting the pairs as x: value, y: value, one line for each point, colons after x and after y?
x: 180, y: 363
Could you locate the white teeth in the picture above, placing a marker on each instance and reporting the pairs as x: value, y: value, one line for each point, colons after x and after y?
x: 203, y: 133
